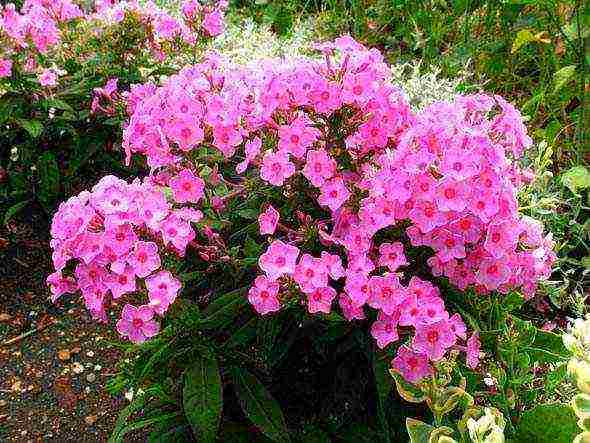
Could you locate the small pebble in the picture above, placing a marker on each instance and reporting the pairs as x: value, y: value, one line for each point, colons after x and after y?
x: 91, y: 377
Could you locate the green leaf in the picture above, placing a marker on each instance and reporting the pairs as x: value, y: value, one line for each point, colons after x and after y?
x: 243, y: 335
x: 57, y: 104
x: 418, y: 431
x: 563, y: 76
x: 548, y: 423
x: 576, y: 178
x: 249, y: 214
x: 548, y: 348
x: 224, y: 309
x: 406, y: 390
x: 526, y: 331
x: 15, y: 209
x: 49, y: 176
x: 202, y: 398
x: 383, y: 380
x: 523, y: 37
x: 384, y: 385
x: 33, y: 127
x: 260, y: 407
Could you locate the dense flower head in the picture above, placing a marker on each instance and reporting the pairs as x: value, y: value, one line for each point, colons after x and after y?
x: 105, y: 241
x: 382, y: 179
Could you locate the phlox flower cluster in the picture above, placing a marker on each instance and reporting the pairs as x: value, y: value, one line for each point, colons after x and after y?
x: 383, y: 178
x: 111, y: 242
x: 27, y: 36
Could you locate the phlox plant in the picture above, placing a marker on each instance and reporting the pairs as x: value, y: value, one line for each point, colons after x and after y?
x: 376, y: 201
x: 55, y: 58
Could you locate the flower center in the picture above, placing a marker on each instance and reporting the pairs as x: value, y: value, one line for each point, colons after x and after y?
x: 432, y: 337
x: 450, y: 193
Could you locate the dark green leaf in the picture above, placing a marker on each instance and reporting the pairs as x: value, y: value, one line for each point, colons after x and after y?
x: 224, y: 309
x: 202, y: 398
x: 243, y: 335
x: 260, y: 407
x: 49, y: 176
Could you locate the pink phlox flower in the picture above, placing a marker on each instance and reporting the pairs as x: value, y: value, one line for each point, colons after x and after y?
x: 263, y: 295
x: 187, y: 187
x: 320, y: 300
x: 384, y: 330
x: 319, y: 167
x: 162, y: 289
x: 360, y: 263
x: 434, y: 339
x: 137, y: 323
x: 176, y: 232
x: 297, y: 137
x: 213, y: 23
x: 48, y: 78
x: 189, y: 214
x: 123, y: 283
x: 412, y: 365
x: 186, y: 132
x: 334, y: 265
x: 427, y: 216
x: 448, y: 245
x: 144, y: 259
x: 334, y: 193
x: 391, y: 255
x: 385, y: 293
x: 452, y: 195
x: 350, y: 309
x: 120, y: 238
x: 484, y: 204
x: 279, y: 259
x: 311, y: 273
x: 492, y: 273
x: 501, y: 238
x: 276, y: 168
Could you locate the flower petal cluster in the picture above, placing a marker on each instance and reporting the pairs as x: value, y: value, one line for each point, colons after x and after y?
x: 111, y: 241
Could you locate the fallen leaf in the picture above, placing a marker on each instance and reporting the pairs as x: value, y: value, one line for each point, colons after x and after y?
x: 63, y: 355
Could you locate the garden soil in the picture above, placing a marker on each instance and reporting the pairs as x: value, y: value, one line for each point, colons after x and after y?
x: 54, y: 360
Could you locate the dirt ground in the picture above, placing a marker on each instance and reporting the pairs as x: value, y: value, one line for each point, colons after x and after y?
x: 54, y: 360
